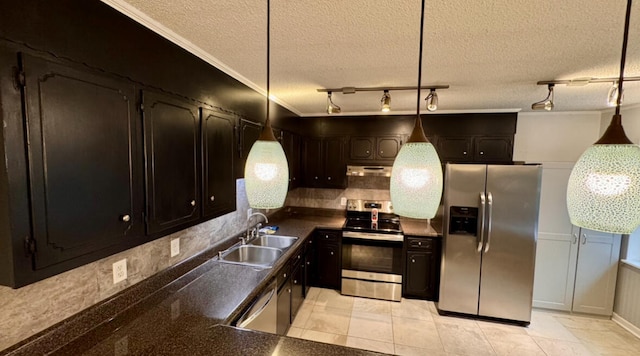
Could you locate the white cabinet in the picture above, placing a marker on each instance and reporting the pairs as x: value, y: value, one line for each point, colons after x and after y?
x: 578, y: 274
x: 576, y: 269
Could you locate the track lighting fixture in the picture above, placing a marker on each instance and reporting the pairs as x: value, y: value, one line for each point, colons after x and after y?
x: 331, y: 107
x: 546, y: 103
x: 612, y: 96
x: 432, y: 100
x: 385, y: 102
x: 603, y: 192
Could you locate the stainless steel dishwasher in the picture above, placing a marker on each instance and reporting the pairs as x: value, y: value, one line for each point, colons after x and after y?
x: 263, y: 313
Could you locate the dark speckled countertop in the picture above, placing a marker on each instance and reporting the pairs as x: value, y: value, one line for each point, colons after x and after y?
x: 187, y: 315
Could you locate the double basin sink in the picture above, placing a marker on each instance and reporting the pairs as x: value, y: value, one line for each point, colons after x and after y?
x: 263, y: 251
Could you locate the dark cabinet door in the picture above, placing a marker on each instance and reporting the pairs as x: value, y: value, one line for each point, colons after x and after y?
x: 335, y: 169
x: 387, y: 147
x: 419, y: 272
x: 284, y: 306
x: 361, y: 148
x: 312, y: 162
x: 328, y: 265
x: 291, y: 146
x: 249, y: 133
x: 456, y: 149
x: 311, y: 270
x: 218, y: 157
x: 173, y: 161
x: 297, y: 286
x: 86, y: 187
x: 493, y: 149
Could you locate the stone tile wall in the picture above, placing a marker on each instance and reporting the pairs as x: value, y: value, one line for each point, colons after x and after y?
x: 376, y: 188
x: 33, y: 308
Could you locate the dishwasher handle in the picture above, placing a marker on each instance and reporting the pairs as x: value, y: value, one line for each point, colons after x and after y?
x: 260, y: 305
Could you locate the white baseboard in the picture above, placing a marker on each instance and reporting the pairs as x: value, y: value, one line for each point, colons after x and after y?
x: 626, y: 324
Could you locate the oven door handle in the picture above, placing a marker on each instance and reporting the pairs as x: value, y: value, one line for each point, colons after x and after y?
x: 372, y: 236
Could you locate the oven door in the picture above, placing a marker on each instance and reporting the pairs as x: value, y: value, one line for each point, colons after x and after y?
x: 379, y: 253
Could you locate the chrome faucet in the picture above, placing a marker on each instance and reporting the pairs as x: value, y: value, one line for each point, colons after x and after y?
x: 253, y: 230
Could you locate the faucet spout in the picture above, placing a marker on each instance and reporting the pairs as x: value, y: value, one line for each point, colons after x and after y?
x: 252, y: 230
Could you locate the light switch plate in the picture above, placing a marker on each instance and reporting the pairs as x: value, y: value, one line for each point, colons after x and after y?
x: 343, y: 201
x: 120, y: 271
x: 249, y: 212
x: 175, y: 247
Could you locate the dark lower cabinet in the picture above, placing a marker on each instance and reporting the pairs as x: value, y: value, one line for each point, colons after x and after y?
x: 284, y: 302
x: 219, y: 185
x: 84, y: 166
x: 422, y: 269
x: 172, y: 140
x: 297, y: 284
x: 327, y: 256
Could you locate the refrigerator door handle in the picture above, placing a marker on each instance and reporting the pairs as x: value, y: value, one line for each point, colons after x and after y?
x: 490, y: 203
x: 483, y: 208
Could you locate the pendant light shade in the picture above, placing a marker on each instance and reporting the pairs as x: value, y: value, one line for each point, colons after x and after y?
x: 604, y: 187
x: 416, y: 175
x: 266, y: 171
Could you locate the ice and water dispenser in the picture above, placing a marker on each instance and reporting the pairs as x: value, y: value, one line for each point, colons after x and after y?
x: 463, y: 220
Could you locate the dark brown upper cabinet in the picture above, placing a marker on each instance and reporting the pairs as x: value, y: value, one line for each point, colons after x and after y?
x: 374, y: 149
x: 172, y: 153
x: 493, y: 149
x: 218, y: 158
x: 455, y: 149
x: 291, y: 143
x: 84, y: 167
x: 249, y: 133
x: 324, y: 163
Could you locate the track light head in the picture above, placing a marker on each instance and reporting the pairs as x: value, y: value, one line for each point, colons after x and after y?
x: 385, y: 102
x: 432, y: 100
x: 546, y: 103
x: 331, y: 107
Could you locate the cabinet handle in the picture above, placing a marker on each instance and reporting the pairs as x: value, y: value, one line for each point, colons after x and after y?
x: 584, y: 239
x: 308, y: 263
x: 316, y: 178
x: 464, y: 153
x: 575, y: 238
x: 329, y: 178
x: 326, y: 236
x: 381, y: 152
x: 481, y: 152
x: 367, y: 152
x: 212, y: 198
x: 289, y: 290
x: 294, y: 178
x: 193, y: 203
x: 295, y: 281
x: 331, y: 253
x: 413, y: 261
x: 284, y: 275
x: 419, y: 243
x: 125, y: 218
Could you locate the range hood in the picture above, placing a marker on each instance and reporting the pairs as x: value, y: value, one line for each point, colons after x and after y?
x: 362, y: 171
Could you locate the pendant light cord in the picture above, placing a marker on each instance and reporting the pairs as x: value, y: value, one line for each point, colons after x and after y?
x: 269, y: 53
x: 624, y: 55
x: 420, y: 59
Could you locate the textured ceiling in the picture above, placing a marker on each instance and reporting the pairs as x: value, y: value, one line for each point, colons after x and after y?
x: 491, y: 53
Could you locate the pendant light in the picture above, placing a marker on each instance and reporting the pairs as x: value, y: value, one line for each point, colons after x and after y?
x: 416, y: 176
x: 266, y: 171
x: 604, y: 187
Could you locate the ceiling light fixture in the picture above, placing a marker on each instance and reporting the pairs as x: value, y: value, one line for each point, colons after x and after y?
x: 546, y: 103
x: 612, y: 95
x: 416, y: 175
x: 385, y: 102
x: 432, y: 100
x: 266, y: 171
x: 331, y: 107
x: 603, y: 192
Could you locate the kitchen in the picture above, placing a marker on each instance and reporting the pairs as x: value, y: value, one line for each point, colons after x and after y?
x: 555, y: 139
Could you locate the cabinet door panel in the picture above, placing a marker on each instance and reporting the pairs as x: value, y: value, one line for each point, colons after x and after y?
x: 457, y: 149
x: 328, y: 265
x: 217, y: 148
x: 493, y: 149
x: 312, y: 162
x: 249, y: 133
x: 172, y: 153
x: 387, y: 147
x: 284, y: 308
x: 555, y: 270
x: 291, y: 146
x: 83, y: 160
x: 361, y: 148
x: 334, y: 167
x: 297, y: 288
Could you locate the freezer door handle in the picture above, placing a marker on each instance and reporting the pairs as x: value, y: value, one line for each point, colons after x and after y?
x: 490, y: 204
x: 483, y: 201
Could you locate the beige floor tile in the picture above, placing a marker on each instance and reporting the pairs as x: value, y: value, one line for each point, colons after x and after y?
x: 371, y: 345
x: 609, y: 351
x: 495, y: 329
x: 460, y: 339
x: 514, y: 344
x: 455, y: 320
x: 327, y: 338
x: 413, y: 309
x: 546, y: 326
x: 294, y: 332
x: 581, y: 322
x: 603, y: 339
x: 416, y: 333
x: 553, y: 347
x: 333, y: 299
x: 329, y: 320
x: 404, y: 350
x: 372, y: 306
x: 303, y: 315
x: 371, y: 326
x: 313, y: 294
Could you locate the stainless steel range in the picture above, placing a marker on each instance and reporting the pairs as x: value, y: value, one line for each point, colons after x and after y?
x: 372, y: 251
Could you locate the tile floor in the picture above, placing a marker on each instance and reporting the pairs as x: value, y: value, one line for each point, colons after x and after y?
x: 413, y: 327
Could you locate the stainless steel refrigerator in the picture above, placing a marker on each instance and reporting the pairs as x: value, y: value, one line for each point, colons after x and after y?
x: 489, y: 246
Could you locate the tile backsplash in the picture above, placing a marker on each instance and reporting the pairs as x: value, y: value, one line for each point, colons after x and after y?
x: 33, y: 308
x: 375, y: 188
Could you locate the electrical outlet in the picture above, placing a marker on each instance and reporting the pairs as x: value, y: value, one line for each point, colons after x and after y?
x: 120, y: 271
x: 343, y: 201
x: 175, y: 247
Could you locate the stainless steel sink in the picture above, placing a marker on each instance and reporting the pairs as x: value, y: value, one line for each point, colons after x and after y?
x: 276, y: 241
x: 250, y: 255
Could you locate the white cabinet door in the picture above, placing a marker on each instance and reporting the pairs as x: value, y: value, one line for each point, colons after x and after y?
x: 597, y: 272
x: 557, y: 248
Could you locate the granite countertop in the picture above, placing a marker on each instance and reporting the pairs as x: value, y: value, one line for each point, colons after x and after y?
x: 421, y: 227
